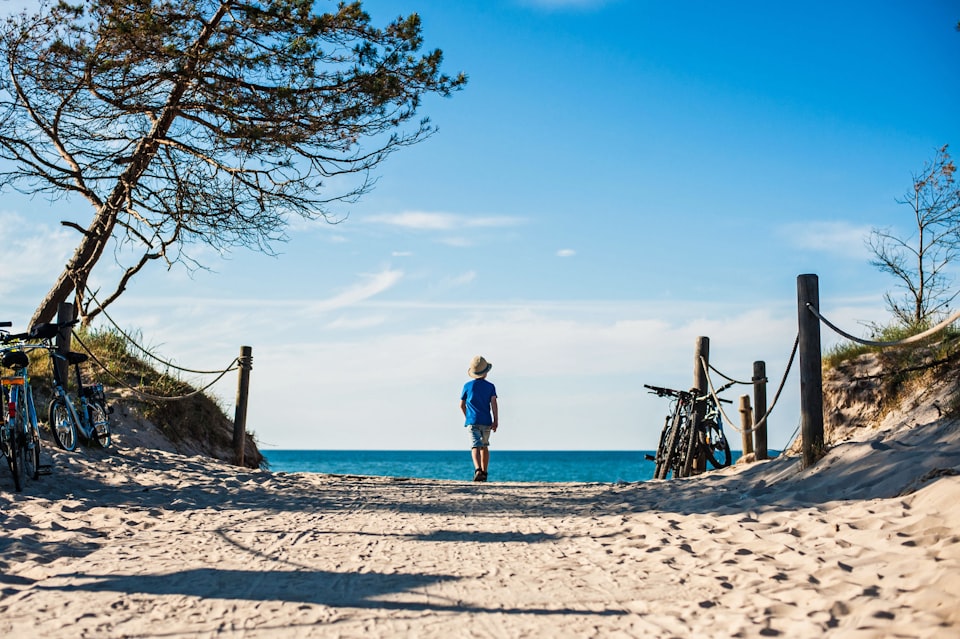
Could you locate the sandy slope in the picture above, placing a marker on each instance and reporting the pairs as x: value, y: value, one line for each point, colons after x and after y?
x: 145, y: 543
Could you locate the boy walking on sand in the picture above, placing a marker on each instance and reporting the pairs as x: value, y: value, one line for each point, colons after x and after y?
x: 478, y: 401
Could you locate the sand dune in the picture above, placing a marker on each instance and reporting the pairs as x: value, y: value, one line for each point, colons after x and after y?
x: 145, y: 543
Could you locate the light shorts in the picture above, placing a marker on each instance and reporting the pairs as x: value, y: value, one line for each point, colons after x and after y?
x: 480, y: 436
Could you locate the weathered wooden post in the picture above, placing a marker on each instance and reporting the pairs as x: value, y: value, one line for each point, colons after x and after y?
x: 760, y: 407
x: 746, y: 424
x: 700, y: 385
x: 700, y: 362
x: 64, y: 340
x: 245, y: 362
x: 811, y: 376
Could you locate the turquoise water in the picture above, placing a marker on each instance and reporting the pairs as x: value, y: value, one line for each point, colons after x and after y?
x: 549, y: 466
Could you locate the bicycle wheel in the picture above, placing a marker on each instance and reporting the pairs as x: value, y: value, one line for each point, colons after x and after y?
x: 717, y: 446
x: 101, y: 424
x: 61, y: 423
x: 32, y: 454
x: 16, y: 459
x: 31, y: 438
x: 670, y: 448
x: 690, y: 447
x: 661, y: 446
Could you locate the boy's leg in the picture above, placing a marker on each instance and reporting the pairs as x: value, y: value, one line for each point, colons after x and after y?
x: 475, y: 454
x: 484, y: 458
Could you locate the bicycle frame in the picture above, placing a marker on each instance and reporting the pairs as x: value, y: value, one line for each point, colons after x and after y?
x: 21, y: 431
x: 90, y: 403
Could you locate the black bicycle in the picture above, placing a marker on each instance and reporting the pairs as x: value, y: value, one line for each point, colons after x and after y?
x: 692, y: 435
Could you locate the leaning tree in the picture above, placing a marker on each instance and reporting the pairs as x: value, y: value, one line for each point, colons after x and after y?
x: 201, y: 121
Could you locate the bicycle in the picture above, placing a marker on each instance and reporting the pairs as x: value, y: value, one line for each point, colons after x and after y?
x: 21, y: 433
x: 89, y: 416
x: 692, y: 435
x: 674, y: 432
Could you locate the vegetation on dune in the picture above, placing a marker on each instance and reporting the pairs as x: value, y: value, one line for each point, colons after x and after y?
x: 195, y: 420
x: 902, y: 370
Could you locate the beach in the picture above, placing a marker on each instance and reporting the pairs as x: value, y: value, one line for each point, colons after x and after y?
x: 147, y: 543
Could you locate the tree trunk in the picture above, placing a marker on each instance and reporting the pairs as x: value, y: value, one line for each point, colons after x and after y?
x: 75, y: 273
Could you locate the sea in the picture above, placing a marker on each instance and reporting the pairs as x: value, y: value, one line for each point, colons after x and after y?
x: 505, y: 465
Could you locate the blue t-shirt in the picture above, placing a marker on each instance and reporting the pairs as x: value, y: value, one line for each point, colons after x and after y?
x: 478, y: 393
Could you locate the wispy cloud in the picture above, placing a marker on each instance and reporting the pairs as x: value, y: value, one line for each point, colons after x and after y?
x: 34, y: 252
x: 372, y: 286
x: 459, y: 280
x: 426, y: 221
x: 840, y: 239
x: 566, y: 253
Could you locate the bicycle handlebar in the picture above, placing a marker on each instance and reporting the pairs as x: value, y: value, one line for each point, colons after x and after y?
x: 45, y: 331
x: 664, y: 392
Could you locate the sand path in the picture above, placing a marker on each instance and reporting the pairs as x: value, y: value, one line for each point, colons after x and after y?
x: 143, y: 543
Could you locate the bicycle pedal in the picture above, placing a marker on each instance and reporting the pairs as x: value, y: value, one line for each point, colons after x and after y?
x: 45, y: 469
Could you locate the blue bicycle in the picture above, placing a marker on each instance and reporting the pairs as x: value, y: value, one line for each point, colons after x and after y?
x: 88, y: 417
x: 19, y: 432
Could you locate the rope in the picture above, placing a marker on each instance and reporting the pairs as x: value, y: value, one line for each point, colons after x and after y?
x: 141, y: 348
x: 776, y: 397
x: 728, y: 378
x: 141, y: 393
x: 793, y: 437
x: 902, y: 342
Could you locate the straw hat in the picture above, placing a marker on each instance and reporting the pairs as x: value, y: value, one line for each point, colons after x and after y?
x: 479, y: 367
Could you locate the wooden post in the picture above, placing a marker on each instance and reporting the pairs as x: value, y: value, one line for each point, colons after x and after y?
x: 811, y: 377
x: 243, y: 389
x: 64, y: 341
x: 760, y: 405
x: 702, y: 350
x: 700, y: 363
x: 746, y: 424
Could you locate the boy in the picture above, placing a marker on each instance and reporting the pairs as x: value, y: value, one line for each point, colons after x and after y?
x: 478, y: 401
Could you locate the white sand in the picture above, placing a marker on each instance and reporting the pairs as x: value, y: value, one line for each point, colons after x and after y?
x: 142, y: 543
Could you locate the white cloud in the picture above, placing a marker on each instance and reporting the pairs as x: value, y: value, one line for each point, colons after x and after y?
x: 459, y: 280
x: 566, y: 253
x: 425, y: 221
x: 573, y: 369
x: 374, y: 285
x: 840, y: 239
x: 32, y: 252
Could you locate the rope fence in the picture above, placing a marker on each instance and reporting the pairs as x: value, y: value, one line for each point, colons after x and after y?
x: 144, y: 350
x: 913, y: 339
x: 243, y: 364
x: 234, y: 365
x: 763, y: 420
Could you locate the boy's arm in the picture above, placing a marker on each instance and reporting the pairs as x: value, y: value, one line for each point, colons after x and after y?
x: 495, y: 411
x: 463, y: 407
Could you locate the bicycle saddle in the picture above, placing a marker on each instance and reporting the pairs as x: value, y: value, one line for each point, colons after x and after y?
x: 15, y: 359
x: 76, y: 358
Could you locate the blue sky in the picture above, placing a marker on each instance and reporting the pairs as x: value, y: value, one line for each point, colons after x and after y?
x: 616, y: 179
